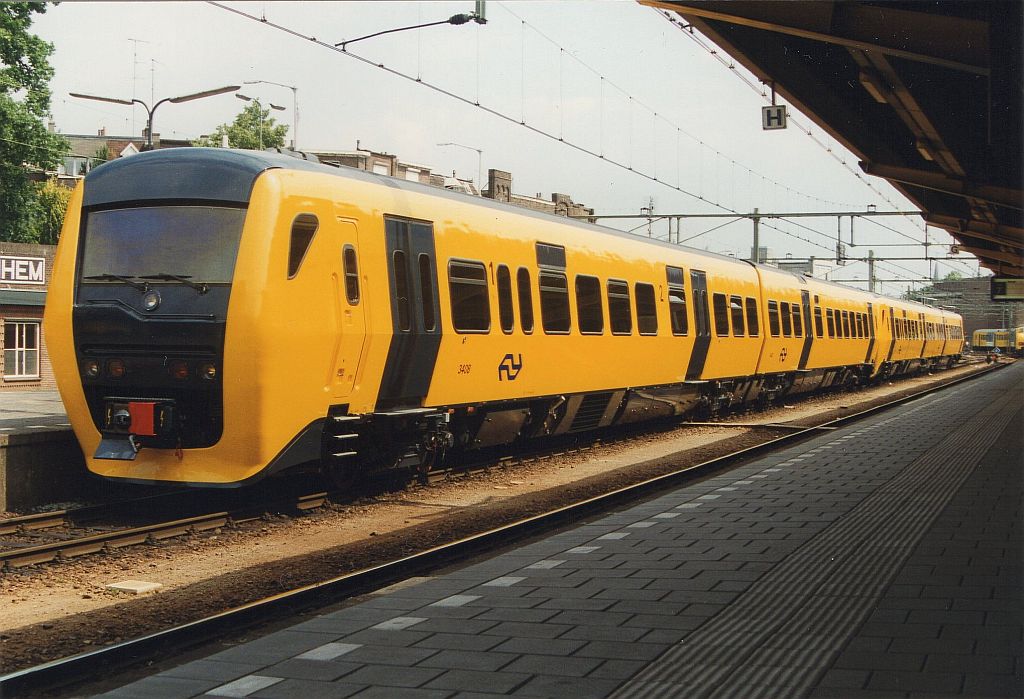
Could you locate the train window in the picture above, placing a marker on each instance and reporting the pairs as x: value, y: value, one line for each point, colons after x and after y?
x: 588, y: 305
x: 736, y: 309
x: 787, y: 320
x: 351, y: 275
x: 830, y: 321
x: 467, y: 284
x: 677, y: 300
x: 753, y: 326
x: 401, y: 289
x: 303, y: 229
x: 773, y: 318
x: 846, y: 324
x: 646, y: 311
x: 721, y: 307
x: 619, y: 312
x: 506, y: 316
x: 554, y: 301
x: 798, y: 326
x: 818, y: 328
x: 427, y: 292
x: 525, y: 300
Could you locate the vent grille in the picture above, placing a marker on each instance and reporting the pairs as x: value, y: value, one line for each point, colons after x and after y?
x: 590, y: 412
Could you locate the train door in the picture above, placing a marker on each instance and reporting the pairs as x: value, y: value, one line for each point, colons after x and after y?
x: 892, y: 331
x: 415, y: 314
x: 871, y: 334
x: 805, y: 303
x: 350, y: 311
x: 702, y: 323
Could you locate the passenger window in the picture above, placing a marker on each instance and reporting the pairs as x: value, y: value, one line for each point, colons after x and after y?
x: 351, y: 275
x: 427, y: 292
x: 525, y: 300
x: 677, y: 301
x: 619, y: 312
x: 846, y: 324
x: 798, y: 325
x: 471, y: 309
x: 646, y: 310
x: 773, y: 318
x: 506, y: 315
x: 303, y: 229
x: 736, y: 309
x: 818, y: 329
x: 753, y: 324
x: 588, y: 305
x: 830, y: 320
x: 721, y: 314
x: 401, y: 289
x: 787, y: 320
x: 554, y: 301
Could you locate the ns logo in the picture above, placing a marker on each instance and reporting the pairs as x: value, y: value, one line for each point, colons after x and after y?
x: 509, y: 367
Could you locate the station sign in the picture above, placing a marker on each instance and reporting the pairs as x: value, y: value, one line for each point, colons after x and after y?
x: 773, y: 117
x: 1007, y: 289
x: 22, y: 270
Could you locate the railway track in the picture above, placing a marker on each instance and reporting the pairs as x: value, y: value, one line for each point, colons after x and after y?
x: 77, y: 668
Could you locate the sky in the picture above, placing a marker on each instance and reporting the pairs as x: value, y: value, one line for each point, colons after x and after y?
x: 676, y: 121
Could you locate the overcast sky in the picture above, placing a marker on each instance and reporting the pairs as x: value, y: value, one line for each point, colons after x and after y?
x: 613, y: 78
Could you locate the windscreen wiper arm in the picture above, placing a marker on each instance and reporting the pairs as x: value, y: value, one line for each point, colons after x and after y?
x: 182, y: 279
x: 143, y: 287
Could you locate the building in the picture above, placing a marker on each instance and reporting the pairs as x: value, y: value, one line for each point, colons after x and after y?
x: 971, y: 299
x: 25, y: 271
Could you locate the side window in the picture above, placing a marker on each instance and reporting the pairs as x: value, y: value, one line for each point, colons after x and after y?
x: 351, y: 275
x: 846, y: 324
x: 646, y: 310
x: 736, y: 309
x: 525, y: 300
x: 721, y: 308
x: 506, y: 316
x: 787, y: 320
x: 471, y: 309
x: 427, y: 292
x: 831, y: 322
x: 798, y: 326
x: 303, y: 229
x: 401, y: 289
x: 588, y: 305
x: 818, y: 328
x: 554, y: 301
x: 677, y: 301
x: 773, y: 318
x: 619, y: 312
x: 753, y: 322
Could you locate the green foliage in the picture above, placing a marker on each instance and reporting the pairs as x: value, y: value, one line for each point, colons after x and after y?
x: 25, y: 73
x: 53, y: 203
x: 952, y: 276
x: 253, y: 129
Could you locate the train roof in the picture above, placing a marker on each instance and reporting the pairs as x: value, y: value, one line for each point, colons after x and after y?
x: 228, y: 175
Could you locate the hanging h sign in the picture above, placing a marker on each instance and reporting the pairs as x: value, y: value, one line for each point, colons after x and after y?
x: 773, y: 117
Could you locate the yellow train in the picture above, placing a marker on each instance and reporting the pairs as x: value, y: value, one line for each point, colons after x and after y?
x: 216, y: 316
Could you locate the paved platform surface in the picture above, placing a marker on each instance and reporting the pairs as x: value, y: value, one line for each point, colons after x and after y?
x: 29, y: 411
x: 880, y: 560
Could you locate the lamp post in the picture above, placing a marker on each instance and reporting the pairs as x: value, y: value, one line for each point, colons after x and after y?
x: 150, y: 110
x: 295, y: 106
x: 259, y: 108
x: 479, y: 162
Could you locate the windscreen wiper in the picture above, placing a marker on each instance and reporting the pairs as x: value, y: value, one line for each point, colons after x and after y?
x: 182, y: 279
x: 143, y: 287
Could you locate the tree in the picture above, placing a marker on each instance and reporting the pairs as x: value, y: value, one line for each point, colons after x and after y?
x: 25, y: 73
x: 253, y: 129
x: 53, y: 205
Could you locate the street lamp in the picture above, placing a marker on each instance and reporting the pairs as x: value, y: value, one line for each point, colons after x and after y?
x: 259, y: 108
x: 479, y: 162
x: 150, y: 110
x: 295, y: 107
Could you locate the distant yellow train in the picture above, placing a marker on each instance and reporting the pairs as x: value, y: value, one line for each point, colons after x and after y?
x: 1009, y: 341
x: 216, y: 316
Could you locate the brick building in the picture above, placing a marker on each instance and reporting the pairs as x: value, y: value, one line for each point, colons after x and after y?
x: 971, y: 299
x: 25, y: 271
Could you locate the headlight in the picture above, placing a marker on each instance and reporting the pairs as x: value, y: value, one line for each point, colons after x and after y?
x: 91, y: 369
x: 208, y: 371
x: 151, y: 300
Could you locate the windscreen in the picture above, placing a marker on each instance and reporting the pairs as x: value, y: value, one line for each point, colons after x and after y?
x: 198, y: 242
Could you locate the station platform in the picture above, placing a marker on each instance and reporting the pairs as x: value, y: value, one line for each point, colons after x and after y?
x: 878, y: 560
